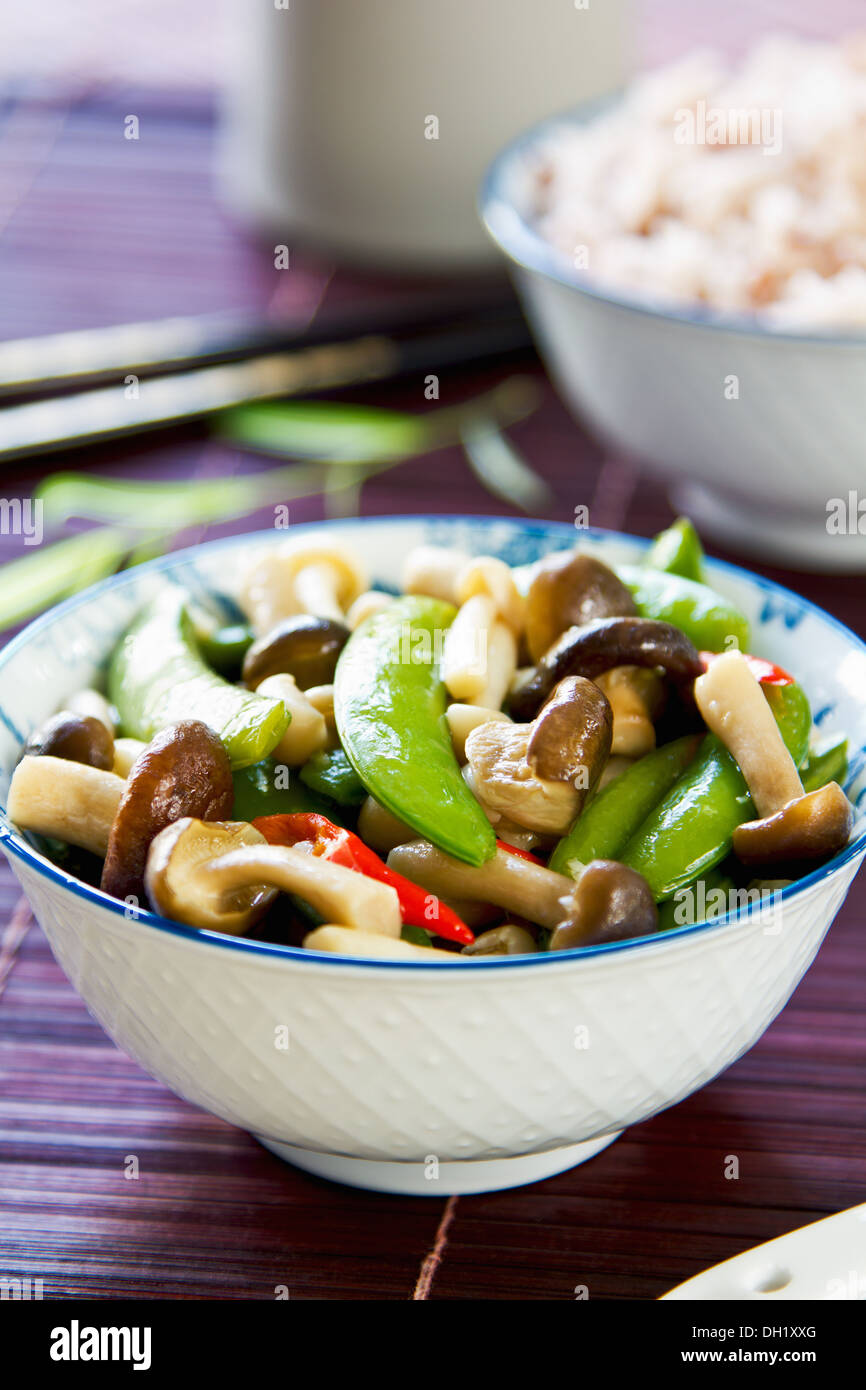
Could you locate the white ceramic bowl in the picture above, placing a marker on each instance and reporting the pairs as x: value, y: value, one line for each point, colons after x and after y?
x: 757, y: 472
x: 414, y: 1077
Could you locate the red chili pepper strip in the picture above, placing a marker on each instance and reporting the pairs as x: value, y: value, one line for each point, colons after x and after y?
x: 521, y: 853
x: 418, y: 907
x: 764, y: 671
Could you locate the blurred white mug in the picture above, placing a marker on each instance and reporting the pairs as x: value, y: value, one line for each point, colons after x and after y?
x: 364, y: 126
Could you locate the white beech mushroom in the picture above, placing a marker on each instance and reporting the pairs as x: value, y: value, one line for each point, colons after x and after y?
x: 608, y: 902
x: 462, y: 719
x: 795, y: 827
x: 301, y: 576
x: 93, y: 703
x: 493, y: 578
x: 65, y: 801
x: 307, y: 732
x: 349, y: 941
x: 634, y: 697
x: 126, y: 750
x: 539, y: 774
x: 198, y: 873
x: 366, y: 605
x: 433, y: 570
x: 479, y: 655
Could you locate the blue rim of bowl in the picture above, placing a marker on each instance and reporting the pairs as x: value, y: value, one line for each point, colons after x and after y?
x: 547, y: 960
x: 519, y: 240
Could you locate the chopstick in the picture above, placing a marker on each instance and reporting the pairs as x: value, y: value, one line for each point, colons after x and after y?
x: 86, y: 417
x: 93, y: 355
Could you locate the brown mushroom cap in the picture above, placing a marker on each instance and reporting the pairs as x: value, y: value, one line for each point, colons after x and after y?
x: 803, y: 833
x: 570, y: 590
x: 610, y: 902
x: 304, y: 647
x: 80, y: 738
x: 599, y: 646
x: 184, y: 771
x: 571, y: 735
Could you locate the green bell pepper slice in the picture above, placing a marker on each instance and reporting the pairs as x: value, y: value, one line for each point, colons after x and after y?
x: 710, y: 621
x: 259, y: 791
x: 612, y: 817
x: 331, y: 774
x: 691, y: 829
x: 157, y: 677
x: 389, y: 703
x: 678, y: 550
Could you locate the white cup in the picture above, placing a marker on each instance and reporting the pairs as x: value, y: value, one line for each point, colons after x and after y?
x: 364, y: 126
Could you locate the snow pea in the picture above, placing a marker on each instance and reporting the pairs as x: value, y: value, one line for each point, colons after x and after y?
x: 678, y: 550
x: 157, y: 676
x: 830, y: 764
x: 331, y: 774
x: 691, y: 829
x: 389, y: 703
x: 613, y: 816
x: 711, y: 622
x: 670, y: 912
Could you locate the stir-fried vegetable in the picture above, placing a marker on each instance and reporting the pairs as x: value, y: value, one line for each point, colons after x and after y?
x: 157, y: 676
x: 389, y: 703
x: 492, y: 732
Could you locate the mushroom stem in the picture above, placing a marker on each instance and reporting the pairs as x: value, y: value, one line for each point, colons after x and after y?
x: 65, y: 801
x: 463, y: 718
x: 734, y: 707
x: 433, y: 570
x: 631, y: 693
x: 348, y: 941
x: 508, y: 880
x: 126, y: 751
x: 493, y: 578
x: 317, y: 590
x: 307, y: 732
x: 337, y: 893
x: 464, y: 655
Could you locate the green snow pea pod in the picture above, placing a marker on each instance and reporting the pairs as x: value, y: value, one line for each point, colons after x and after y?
x: 678, y: 550
x: 260, y: 791
x: 682, y: 910
x: 708, y: 619
x: 827, y: 765
x: 157, y: 676
x: 389, y: 703
x: 613, y: 816
x: 691, y: 829
x: 331, y: 774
